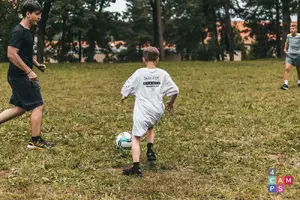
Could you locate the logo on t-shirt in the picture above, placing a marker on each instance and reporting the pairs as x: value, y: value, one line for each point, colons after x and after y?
x: 151, y: 81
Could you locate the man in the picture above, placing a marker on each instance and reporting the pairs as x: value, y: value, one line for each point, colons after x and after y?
x: 26, y: 95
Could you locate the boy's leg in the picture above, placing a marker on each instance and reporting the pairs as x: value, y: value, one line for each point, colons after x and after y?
x: 136, y: 151
x: 288, y: 68
x: 298, y: 72
x: 150, y: 135
x: 150, y: 139
x: 11, y: 113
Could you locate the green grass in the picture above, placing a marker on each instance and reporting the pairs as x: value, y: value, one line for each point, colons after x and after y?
x: 231, y: 123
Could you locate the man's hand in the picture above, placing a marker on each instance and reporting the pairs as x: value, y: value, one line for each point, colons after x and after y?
x: 41, y: 67
x: 32, y: 76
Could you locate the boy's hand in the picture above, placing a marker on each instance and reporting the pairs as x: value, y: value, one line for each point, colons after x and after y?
x: 41, y: 67
x: 123, y: 98
x: 169, y: 106
x: 285, y: 51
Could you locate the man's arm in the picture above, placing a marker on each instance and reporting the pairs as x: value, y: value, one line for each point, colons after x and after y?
x: 12, y: 54
x: 41, y: 67
x: 35, y: 62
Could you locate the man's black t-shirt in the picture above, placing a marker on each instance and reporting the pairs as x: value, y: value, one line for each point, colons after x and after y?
x: 22, y: 39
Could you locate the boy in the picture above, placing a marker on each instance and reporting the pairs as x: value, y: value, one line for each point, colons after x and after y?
x: 26, y: 95
x: 292, y: 50
x: 148, y: 85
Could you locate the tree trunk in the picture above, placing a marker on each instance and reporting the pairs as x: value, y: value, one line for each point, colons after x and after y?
x: 286, y: 22
x: 91, y: 48
x: 154, y: 17
x: 42, y: 31
x: 63, y: 51
x: 160, y: 30
x: 215, y: 34
x: 229, y: 33
x: 278, y: 51
x: 80, y: 47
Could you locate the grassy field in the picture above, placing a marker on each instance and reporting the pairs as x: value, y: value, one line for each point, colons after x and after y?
x: 231, y: 123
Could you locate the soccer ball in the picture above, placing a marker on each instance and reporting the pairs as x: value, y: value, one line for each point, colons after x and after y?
x: 124, y: 140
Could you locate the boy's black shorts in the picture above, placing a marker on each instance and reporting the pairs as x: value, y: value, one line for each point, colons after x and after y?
x: 26, y: 94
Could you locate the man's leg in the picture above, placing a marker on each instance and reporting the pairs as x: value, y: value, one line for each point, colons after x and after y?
x: 36, y: 120
x: 36, y: 141
x: 11, y: 113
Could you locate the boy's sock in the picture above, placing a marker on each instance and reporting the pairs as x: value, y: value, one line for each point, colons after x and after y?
x: 149, y: 146
x: 135, y: 170
x: 150, y: 154
x: 287, y: 82
x: 35, y: 138
x: 136, y: 165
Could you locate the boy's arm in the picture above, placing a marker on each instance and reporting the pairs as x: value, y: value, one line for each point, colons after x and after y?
x: 123, y: 98
x: 130, y: 86
x: 286, y: 46
x: 41, y: 67
x: 12, y: 54
x: 171, y: 102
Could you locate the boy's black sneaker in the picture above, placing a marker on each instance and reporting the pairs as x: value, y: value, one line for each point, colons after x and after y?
x: 40, y: 144
x: 285, y: 87
x: 151, y: 155
x: 299, y: 85
x: 132, y: 171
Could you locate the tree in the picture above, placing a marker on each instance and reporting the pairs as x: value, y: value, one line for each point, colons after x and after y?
x: 278, y: 45
x: 95, y: 8
x: 228, y: 31
x: 42, y: 29
x: 286, y: 14
x: 8, y: 19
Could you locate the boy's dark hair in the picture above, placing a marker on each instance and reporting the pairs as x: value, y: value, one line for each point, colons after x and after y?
x: 30, y: 6
x: 151, y: 53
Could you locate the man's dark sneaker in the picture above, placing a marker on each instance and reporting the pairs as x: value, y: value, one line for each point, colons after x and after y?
x: 151, y: 155
x: 132, y: 171
x: 40, y: 144
x: 285, y: 87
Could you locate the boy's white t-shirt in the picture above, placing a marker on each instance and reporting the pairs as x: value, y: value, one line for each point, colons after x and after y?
x: 148, y: 86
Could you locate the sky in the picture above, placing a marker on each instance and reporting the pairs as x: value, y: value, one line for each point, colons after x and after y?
x: 120, y: 6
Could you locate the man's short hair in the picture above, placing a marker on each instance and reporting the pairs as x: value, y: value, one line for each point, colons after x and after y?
x: 151, y: 53
x: 30, y: 6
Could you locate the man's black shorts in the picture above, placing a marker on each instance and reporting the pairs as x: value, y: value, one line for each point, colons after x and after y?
x: 26, y: 94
